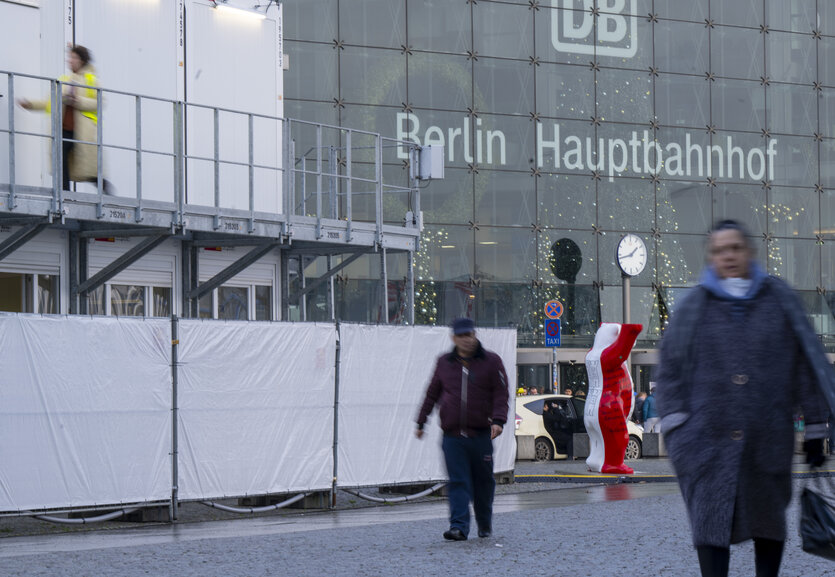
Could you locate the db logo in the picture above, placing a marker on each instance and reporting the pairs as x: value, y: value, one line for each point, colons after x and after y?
x: 574, y: 30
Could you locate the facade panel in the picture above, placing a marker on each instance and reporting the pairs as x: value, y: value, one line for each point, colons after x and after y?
x: 566, y: 127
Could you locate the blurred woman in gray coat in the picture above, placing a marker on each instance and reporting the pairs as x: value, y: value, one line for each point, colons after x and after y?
x: 737, y: 359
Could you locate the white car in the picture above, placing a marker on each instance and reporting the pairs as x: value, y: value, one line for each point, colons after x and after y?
x: 529, y: 422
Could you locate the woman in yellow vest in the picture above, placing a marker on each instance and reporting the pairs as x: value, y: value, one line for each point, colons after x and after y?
x: 79, y: 119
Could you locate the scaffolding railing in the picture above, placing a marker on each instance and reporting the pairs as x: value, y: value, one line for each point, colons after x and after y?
x: 197, y: 161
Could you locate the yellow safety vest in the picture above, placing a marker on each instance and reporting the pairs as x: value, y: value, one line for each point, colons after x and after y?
x: 89, y: 80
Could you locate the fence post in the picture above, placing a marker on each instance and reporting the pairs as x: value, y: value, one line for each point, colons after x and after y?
x: 12, y: 203
x: 175, y: 474
x: 56, y: 117
x: 251, y: 129
x: 336, y: 417
x: 216, y: 165
x: 99, y: 157
x: 138, y: 211
x: 378, y: 188
x: 349, y: 188
x: 179, y: 165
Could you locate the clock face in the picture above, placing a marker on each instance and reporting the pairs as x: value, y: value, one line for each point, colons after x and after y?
x: 632, y: 254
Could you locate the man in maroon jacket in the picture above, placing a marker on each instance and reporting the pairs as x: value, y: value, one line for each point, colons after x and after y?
x: 471, y: 391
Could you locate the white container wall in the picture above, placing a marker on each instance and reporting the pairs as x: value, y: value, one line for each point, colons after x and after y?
x: 134, y: 46
x: 233, y: 62
x: 20, y: 27
x: 187, y: 51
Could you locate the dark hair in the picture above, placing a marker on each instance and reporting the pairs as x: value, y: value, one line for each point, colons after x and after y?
x: 82, y: 53
x: 730, y: 224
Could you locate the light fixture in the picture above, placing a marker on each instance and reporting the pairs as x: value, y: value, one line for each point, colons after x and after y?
x: 488, y: 242
x: 447, y: 246
x: 267, y: 5
x: 223, y: 6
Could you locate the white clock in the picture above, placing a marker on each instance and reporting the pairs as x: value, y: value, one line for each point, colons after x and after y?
x: 631, y: 255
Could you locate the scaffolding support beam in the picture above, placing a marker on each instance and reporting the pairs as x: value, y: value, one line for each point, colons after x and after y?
x: 233, y: 269
x: 121, y: 263
x: 21, y: 220
x: 284, y: 290
x: 325, y: 277
x: 220, y: 243
x: 410, y: 272
x: 78, y: 272
x: 21, y: 237
x: 384, y: 282
x: 120, y: 232
x: 194, y: 280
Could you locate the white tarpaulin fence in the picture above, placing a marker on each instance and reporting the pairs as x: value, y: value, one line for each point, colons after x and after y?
x: 256, y: 408
x: 86, y: 409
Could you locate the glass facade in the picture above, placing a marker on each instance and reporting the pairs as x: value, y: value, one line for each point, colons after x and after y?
x: 567, y: 123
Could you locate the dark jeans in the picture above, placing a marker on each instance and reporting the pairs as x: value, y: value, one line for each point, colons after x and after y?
x: 469, y: 463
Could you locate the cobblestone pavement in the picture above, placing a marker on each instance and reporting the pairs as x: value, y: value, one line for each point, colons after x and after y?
x: 539, y: 529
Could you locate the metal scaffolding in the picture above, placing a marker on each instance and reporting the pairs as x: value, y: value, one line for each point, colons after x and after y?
x: 334, y: 200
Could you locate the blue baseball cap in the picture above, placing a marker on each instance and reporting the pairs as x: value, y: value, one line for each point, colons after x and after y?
x: 462, y: 326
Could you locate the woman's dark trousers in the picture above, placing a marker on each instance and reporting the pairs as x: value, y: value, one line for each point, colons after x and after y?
x: 768, y: 554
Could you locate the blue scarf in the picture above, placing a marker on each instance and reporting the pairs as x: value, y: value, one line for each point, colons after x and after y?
x: 711, y: 282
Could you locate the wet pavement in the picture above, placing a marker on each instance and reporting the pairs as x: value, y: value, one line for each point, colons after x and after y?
x: 316, y: 521
x: 540, y: 528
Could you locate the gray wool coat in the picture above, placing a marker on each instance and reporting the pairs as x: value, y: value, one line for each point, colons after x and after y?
x: 727, y: 388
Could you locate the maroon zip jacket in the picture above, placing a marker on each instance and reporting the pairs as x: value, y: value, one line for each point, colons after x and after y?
x: 469, y: 398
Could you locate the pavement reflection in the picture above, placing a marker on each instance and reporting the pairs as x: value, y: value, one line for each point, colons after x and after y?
x: 580, y: 496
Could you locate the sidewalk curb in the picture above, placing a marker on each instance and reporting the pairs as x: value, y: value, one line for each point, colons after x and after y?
x: 639, y: 478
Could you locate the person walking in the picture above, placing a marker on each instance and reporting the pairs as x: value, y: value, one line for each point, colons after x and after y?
x: 738, y: 356
x: 470, y: 387
x: 649, y: 413
x: 638, y: 411
x: 560, y: 425
x: 79, y: 119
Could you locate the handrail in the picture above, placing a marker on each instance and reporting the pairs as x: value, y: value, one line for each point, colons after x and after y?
x: 332, y: 167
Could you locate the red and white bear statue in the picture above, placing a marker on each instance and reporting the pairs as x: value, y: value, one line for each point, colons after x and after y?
x: 609, y: 402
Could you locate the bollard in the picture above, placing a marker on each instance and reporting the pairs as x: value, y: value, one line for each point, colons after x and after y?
x: 653, y: 445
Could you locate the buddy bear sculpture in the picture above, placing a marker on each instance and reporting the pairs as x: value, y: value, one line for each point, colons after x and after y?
x: 609, y: 402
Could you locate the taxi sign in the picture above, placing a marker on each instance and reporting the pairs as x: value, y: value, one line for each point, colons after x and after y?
x: 553, y: 332
x: 553, y: 309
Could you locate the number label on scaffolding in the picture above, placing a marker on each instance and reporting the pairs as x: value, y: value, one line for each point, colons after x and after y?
x: 334, y: 235
x: 231, y: 226
x: 117, y: 213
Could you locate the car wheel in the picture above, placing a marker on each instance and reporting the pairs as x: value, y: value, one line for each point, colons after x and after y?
x: 543, y: 451
x: 633, y: 449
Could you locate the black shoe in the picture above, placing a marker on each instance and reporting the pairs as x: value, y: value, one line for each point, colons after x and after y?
x: 455, y: 534
x: 484, y: 532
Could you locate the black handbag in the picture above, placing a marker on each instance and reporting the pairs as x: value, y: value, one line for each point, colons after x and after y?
x: 817, y: 522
